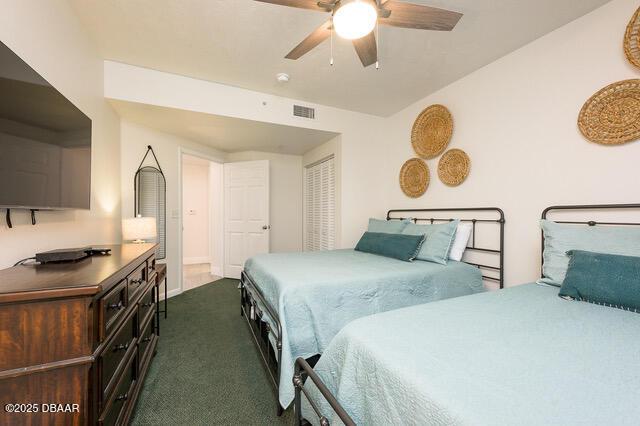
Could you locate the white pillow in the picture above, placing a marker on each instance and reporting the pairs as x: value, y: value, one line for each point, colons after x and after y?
x: 463, y: 232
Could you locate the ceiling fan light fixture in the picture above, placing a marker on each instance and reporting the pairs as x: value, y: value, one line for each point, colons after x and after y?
x: 355, y: 19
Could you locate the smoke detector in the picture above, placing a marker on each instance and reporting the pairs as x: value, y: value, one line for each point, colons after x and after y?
x: 282, y: 77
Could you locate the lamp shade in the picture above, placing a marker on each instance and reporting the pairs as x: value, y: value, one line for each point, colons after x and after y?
x: 139, y: 228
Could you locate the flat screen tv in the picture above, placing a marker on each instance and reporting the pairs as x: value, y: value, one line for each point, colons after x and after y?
x: 45, y: 142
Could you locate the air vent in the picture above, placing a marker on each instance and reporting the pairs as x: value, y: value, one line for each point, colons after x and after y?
x: 304, y: 112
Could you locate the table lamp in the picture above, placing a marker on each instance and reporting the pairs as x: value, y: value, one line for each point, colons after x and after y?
x: 138, y: 229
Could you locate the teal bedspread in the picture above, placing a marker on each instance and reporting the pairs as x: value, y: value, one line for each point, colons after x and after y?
x: 318, y: 293
x: 520, y: 356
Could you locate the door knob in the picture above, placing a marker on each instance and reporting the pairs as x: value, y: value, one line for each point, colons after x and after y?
x: 265, y: 227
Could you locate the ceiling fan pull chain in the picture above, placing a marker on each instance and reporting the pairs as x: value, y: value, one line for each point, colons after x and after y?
x: 331, y: 60
x: 377, y: 45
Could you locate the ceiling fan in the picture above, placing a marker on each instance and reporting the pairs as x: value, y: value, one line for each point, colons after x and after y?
x: 356, y: 19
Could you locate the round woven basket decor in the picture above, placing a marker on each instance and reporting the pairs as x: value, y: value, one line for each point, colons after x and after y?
x: 414, y: 177
x: 453, y: 167
x: 431, y: 131
x: 632, y: 39
x: 612, y: 115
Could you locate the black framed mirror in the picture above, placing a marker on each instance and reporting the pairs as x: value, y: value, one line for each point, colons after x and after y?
x: 150, y: 198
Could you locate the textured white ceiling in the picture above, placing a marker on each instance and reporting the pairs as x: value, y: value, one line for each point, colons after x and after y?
x: 243, y: 43
x: 224, y: 133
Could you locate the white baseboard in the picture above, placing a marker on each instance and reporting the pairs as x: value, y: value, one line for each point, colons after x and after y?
x: 171, y: 293
x: 217, y: 271
x: 195, y: 260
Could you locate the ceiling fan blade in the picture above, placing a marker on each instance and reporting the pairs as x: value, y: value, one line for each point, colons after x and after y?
x: 321, y: 33
x: 408, y: 15
x: 367, y: 49
x: 303, y: 4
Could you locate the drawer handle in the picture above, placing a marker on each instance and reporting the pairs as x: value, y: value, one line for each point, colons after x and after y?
x: 148, y: 305
x: 122, y: 397
x: 116, y: 306
x: 121, y: 347
x: 137, y: 282
x: 147, y: 339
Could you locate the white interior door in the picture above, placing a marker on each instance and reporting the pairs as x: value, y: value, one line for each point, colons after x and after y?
x: 246, y: 215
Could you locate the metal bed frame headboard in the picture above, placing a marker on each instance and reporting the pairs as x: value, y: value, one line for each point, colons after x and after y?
x: 587, y: 207
x: 417, y: 215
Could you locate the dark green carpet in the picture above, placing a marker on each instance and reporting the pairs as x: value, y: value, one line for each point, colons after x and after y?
x: 207, y: 370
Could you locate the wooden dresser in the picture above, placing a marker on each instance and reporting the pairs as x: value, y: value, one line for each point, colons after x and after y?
x: 76, y: 339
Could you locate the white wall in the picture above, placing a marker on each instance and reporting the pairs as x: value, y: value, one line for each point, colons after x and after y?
x: 285, y: 198
x: 48, y: 36
x: 195, y: 210
x: 516, y: 118
x: 134, y: 141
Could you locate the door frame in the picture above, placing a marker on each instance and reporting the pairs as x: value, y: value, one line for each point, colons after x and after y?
x: 182, y: 151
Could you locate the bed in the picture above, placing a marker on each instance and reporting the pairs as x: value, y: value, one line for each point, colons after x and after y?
x: 295, y: 303
x: 521, y: 355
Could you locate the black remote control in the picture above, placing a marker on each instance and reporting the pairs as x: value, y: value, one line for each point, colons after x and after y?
x: 98, y: 250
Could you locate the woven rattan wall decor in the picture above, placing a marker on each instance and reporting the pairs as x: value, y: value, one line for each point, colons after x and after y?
x: 612, y: 115
x: 414, y: 177
x: 453, y: 167
x: 632, y: 39
x: 432, y: 131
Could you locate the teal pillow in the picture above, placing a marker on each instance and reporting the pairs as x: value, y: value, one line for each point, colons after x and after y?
x: 398, y: 246
x: 437, y: 243
x: 560, y: 238
x: 393, y: 226
x: 605, y: 279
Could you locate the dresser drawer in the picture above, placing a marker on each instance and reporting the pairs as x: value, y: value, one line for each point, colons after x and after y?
x: 116, y: 407
x: 137, y: 280
x: 146, y: 304
x: 112, y: 307
x: 147, y: 335
x: 114, y: 353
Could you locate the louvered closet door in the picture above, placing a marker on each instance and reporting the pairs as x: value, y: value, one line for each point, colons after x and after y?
x: 320, y: 206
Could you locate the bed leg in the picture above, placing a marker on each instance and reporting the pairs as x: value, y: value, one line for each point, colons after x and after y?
x: 279, y: 410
